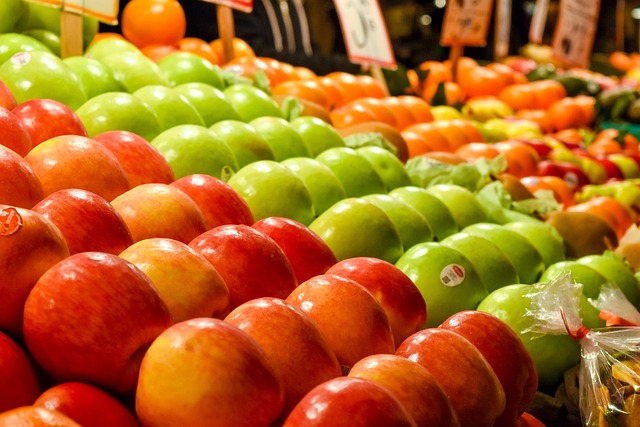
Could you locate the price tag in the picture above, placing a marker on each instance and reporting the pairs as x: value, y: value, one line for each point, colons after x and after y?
x: 575, y: 31
x: 538, y: 21
x: 466, y: 22
x: 365, y: 33
x: 245, y: 6
x: 103, y: 10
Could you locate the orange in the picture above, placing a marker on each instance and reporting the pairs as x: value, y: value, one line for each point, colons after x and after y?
x: 303, y: 73
x: 547, y: 92
x: 248, y: 66
x: 420, y: 108
x: 159, y: 22
x: 378, y: 108
x: 157, y: 52
x: 199, y: 47
x: 240, y: 48
x: 333, y: 90
x: 562, y: 191
x: 538, y: 116
x: 620, y: 60
x: 519, y: 96
x: 416, y: 143
x: 522, y: 159
x: 279, y: 72
x: 349, y: 115
x: 372, y: 87
x: 481, y: 81
x: 565, y: 113
x: 310, y: 90
x: 349, y: 84
x: 432, y: 136
x: 476, y: 150
x: 610, y: 210
x: 402, y: 114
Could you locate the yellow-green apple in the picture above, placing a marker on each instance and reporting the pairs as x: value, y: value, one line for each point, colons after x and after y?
x: 7, y: 100
x: 293, y: 343
x: 462, y: 203
x: 129, y: 312
x: 394, y: 290
x: 30, y: 416
x: 251, y: 102
x: 493, y: 266
x: 447, y: 280
x: 171, y: 108
x: 307, y: 253
x: 617, y: 272
x: 388, y: 165
x: 30, y: 245
x: 246, y: 143
x: 73, y: 161
x: 12, y: 43
x: 185, y: 280
x: 87, y: 405
x: 250, y: 262
x: 219, y: 202
x: 436, y: 213
x: 19, y: 185
x: 285, y: 142
x: 412, y: 227
x: 628, y: 166
x: 48, y: 38
x: 412, y: 384
x: 108, y: 45
x: 15, y: 134
x: 119, y: 111
x: 506, y: 354
x: 317, y: 134
x: 523, y: 255
x: 45, y: 118
x: 209, y: 101
x: 581, y: 273
x: 355, y: 172
x: 95, y: 77
x: 141, y: 161
x: 36, y: 74
x: 206, y: 369
x: 484, y: 109
x: 334, y: 302
x: 133, y: 70
x: 546, y: 239
x: 160, y: 210
x: 19, y: 384
x: 86, y: 220
x: 11, y: 11
x: 187, y: 67
x: 193, y: 149
x: 272, y: 189
x: 472, y: 387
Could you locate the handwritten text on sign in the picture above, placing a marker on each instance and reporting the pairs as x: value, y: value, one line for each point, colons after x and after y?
x: 575, y: 31
x: 365, y: 33
x: 103, y: 10
x: 466, y: 22
x: 245, y: 6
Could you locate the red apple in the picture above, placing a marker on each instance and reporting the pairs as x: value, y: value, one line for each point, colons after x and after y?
x: 141, y: 161
x: 14, y: 134
x: 308, y: 254
x: 542, y: 148
x: 29, y: 245
x: 250, y: 262
x: 353, y: 321
x: 87, y: 221
x: 613, y: 170
x: 7, y: 100
x: 294, y: 345
x: 219, y: 202
x: 91, y: 318
x: 570, y: 172
x: 72, y: 161
x: 19, y: 385
x: 507, y: 355
x: 35, y: 416
x: 349, y: 402
x: 45, y: 118
x: 396, y: 292
x: 412, y: 385
x: 462, y: 372
x: 160, y: 210
x: 19, y: 186
x: 204, y: 372
x: 87, y: 405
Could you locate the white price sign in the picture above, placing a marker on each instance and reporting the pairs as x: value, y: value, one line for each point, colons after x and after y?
x: 575, y: 31
x: 245, y: 6
x: 103, y: 10
x: 365, y: 33
x: 466, y: 22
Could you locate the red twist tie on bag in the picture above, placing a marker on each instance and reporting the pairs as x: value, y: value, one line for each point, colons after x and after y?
x: 577, y: 335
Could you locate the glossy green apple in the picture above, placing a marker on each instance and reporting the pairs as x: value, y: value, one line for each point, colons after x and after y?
x: 591, y: 280
x: 317, y: 134
x: 36, y: 74
x: 10, y: 13
x: 119, y: 111
x: 412, y: 227
x: 491, y: 263
x: 272, y: 189
x: 629, y: 167
x: 251, y: 102
x: 357, y: 174
x: 186, y: 67
x: 323, y: 185
x: 109, y: 45
x: 12, y: 43
x: 284, y: 140
x: 388, y: 166
x: 462, y: 203
x: 432, y: 208
x: 617, y: 272
x: 544, y: 237
x: 134, y: 70
x: 191, y: 149
x: 47, y: 38
x: 171, y: 108
x: 209, y: 101
x: 354, y: 227
x: 95, y: 77
x: 247, y: 144
x: 447, y: 280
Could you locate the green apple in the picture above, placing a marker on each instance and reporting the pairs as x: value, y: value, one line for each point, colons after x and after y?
x: 10, y: 13
x: 617, y: 272
x: 95, y: 77
x: 209, y: 101
x: 247, y: 144
x: 317, y: 134
x: 357, y: 174
x: 12, y: 43
x: 590, y: 279
x: 186, y: 67
x: 272, y: 189
x: 47, y: 38
x: 108, y: 46
x: 544, y: 237
x: 191, y: 149
x: 412, y: 227
x: 462, y: 203
x: 447, y: 280
x: 36, y: 74
x: 629, y: 167
x: 491, y: 263
x: 119, y: 111
x: 522, y: 254
x: 388, y: 165
x: 483, y: 109
x: 251, y: 102
x: 323, y: 185
x: 284, y: 140
x: 355, y: 227
x: 134, y: 70
x: 171, y: 108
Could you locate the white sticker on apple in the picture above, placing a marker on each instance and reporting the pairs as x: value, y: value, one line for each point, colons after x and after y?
x: 571, y: 178
x: 21, y: 58
x: 452, y: 275
x: 10, y: 221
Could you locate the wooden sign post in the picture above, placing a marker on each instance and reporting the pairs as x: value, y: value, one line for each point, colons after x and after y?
x: 575, y: 32
x: 538, y: 21
x: 503, y: 29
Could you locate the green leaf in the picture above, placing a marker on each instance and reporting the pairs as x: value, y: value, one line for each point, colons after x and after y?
x: 543, y: 203
x: 425, y: 172
x: 365, y: 139
x: 261, y: 81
